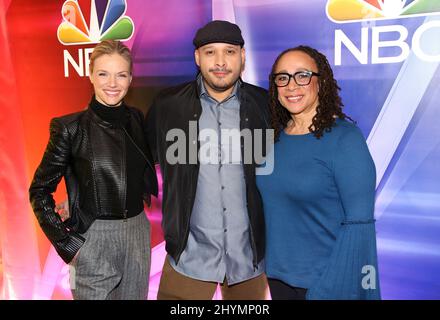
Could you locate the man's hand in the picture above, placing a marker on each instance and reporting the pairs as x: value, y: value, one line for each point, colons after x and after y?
x: 63, y: 210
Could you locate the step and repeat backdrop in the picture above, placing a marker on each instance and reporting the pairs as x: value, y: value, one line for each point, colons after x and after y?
x: 385, y: 55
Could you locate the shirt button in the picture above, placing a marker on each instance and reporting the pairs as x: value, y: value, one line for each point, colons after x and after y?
x: 224, y: 209
x: 247, y: 119
x: 226, y: 230
x: 195, y: 115
x: 223, y: 187
x: 194, y: 141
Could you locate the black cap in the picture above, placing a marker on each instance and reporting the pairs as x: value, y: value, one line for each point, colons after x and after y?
x: 218, y: 31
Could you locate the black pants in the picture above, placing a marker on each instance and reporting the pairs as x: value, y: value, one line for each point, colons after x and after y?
x: 282, y: 291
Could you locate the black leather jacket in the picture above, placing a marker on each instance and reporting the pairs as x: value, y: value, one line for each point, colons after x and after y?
x: 86, y: 151
x: 173, y: 108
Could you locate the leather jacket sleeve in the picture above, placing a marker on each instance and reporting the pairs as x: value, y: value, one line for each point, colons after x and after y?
x: 46, y: 179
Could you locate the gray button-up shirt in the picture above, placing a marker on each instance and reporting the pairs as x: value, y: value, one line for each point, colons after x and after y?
x: 219, y: 244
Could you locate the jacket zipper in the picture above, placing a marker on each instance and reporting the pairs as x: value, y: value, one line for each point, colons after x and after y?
x: 138, y: 149
x: 124, y: 164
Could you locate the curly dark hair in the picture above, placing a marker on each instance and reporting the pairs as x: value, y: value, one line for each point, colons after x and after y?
x: 329, y: 102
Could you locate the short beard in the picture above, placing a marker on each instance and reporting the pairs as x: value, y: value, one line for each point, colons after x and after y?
x: 226, y: 86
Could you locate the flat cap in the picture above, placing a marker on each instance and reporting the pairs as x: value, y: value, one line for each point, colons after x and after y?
x: 218, y: 31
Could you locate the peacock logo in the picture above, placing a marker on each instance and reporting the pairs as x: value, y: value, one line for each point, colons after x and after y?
x: 92, y: 21
x: 341, y: 11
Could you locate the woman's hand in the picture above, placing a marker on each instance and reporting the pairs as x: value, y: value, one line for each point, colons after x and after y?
x: 63, y: 209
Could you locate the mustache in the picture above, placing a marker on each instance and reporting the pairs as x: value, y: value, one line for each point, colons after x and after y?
x: 220, y: 70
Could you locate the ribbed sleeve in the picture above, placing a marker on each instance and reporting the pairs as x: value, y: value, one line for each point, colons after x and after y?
x: 351, y: 273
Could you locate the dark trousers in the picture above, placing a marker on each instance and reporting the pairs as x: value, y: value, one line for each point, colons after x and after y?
x: 280, y: 290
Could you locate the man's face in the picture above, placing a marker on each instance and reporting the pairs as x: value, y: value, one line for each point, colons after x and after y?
x: 221, y: 65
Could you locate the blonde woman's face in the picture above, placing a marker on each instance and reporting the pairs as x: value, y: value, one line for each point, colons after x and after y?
x: 111, y: 79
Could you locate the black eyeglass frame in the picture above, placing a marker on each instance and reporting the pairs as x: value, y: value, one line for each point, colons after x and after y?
x: 309, y: 73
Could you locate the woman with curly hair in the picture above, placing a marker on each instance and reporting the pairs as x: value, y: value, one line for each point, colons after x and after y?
x: 319, y: 200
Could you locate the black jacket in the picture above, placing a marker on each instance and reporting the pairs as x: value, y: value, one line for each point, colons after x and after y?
x: 86, y: 151
x: 173, y: 108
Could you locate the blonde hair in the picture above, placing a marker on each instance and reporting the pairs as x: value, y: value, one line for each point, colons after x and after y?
x: 111, y: 47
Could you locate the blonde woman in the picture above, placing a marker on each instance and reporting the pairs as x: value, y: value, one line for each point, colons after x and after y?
x: 103, y: 156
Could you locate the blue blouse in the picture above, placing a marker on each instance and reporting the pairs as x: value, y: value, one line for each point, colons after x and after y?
x: 319, y: 212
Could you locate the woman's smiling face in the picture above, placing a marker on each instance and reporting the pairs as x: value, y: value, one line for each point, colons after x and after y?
x: 298, y: 99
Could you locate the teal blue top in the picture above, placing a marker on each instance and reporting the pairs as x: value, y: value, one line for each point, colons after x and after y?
x: 319, y: 212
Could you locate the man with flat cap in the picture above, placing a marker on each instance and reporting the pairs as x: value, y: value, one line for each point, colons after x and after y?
x: 212, y: 211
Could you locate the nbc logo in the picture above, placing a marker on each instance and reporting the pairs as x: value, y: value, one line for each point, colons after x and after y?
x: 386, y: 43
x: 92, y: 21
x: 341, y: 11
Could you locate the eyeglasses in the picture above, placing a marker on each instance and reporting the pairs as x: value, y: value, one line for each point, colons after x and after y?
x: 302, y: 78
